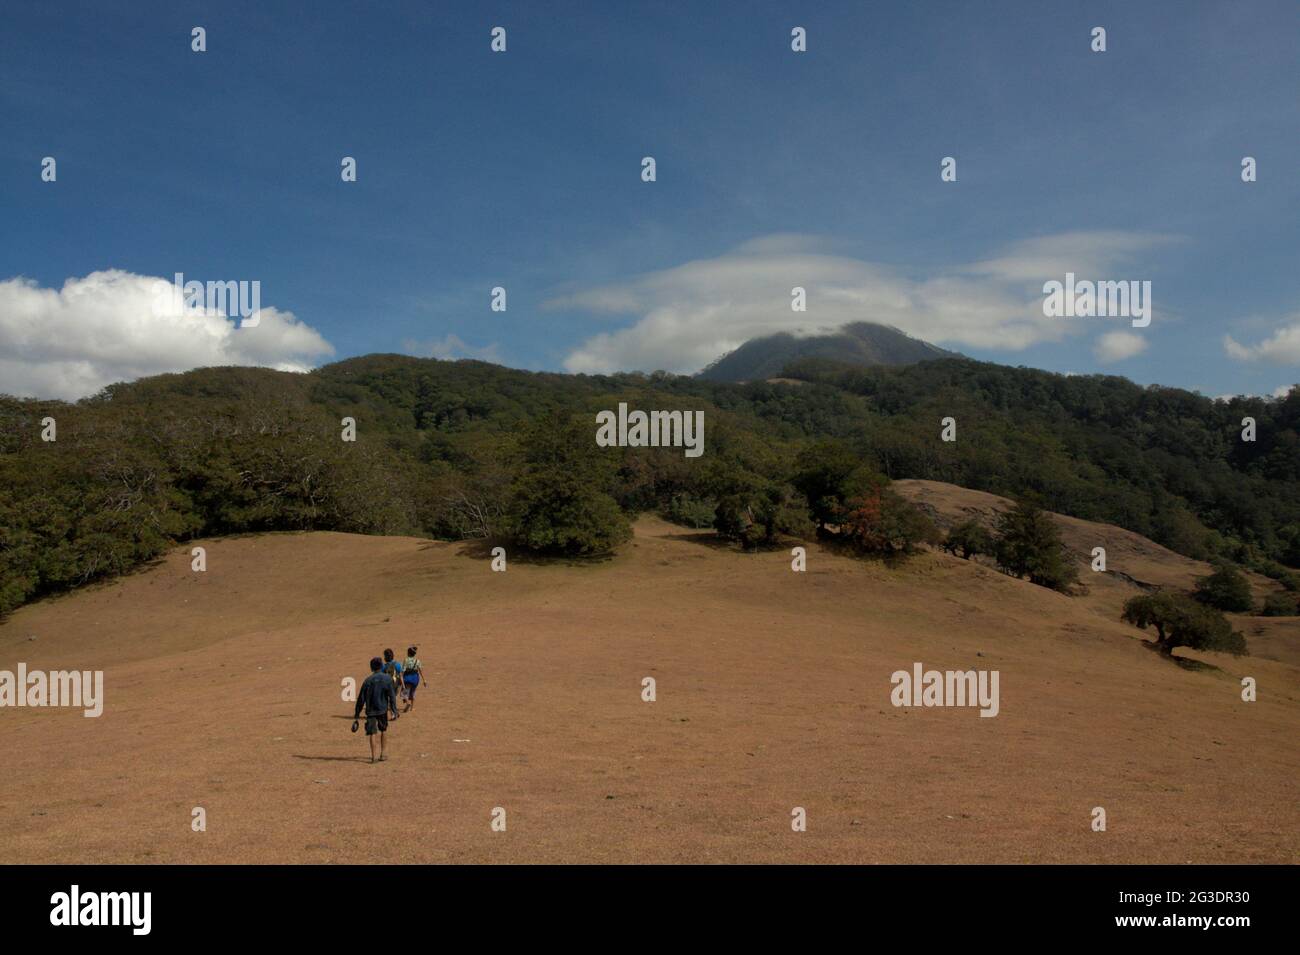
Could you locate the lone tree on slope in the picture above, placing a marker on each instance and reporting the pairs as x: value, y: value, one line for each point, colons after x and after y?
x: 1029, y: 545
x: 1180, y: 621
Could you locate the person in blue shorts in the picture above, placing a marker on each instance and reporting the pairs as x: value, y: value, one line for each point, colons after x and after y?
x: 412, y: 673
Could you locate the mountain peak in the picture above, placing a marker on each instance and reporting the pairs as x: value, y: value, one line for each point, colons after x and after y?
x: 858, y: 343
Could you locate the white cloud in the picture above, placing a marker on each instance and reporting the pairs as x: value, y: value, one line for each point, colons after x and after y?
x: 1116, y: 346
x: 107, y: 327
x: 450, y: 346
x: 1281, y: 391
x: 1281, y: 348
x: 688, y: 315
x: 1087, y: 254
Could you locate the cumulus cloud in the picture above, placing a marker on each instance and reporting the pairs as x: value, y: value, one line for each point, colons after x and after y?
x: 1116, y: 346
x: 688, y: 315
x: 1280, y: 348
x: 450, y: 346
x: 114, y: 326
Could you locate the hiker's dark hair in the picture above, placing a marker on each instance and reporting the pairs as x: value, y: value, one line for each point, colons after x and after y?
x: 388, y: 656
x: 376, y: 663
x: 410, y: 651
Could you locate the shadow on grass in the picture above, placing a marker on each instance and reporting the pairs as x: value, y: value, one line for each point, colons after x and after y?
x: 843, y: 548
x: 335, y: 759
x: 482, y: 550
x: 712, y: 541
x: 1187, y: 663
x: 707, y: 537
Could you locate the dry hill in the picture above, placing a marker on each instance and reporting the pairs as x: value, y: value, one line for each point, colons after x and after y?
x: 773, y: 691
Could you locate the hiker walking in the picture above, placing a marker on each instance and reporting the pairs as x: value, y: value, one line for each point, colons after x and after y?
x: 379, y: 699
x: 393, y: 668
x: 411, y: 675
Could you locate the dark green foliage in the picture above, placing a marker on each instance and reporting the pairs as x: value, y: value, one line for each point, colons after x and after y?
x: 968, y: 539
x: 563, y: 517
x: 830, y: 474
x: 439, y: 451
x: 691, y: 511
x: 1281, y: 605
x: 1287, y: 578
x: 1180, y: 621
x: 1163, y: 462
x: 126, y: 478
x: 759, y: 514
x: 882, y: 522
x: 559, y: 503
x: 1029, y: 545
x: 1225, y: 589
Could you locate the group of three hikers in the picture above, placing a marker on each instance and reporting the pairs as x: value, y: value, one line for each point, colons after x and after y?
x: 390, y: 680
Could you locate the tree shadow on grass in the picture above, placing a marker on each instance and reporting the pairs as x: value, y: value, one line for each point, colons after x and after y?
x: 707, y: 539
x: 840, y: 548
x: 482, y: 550
x: 847, y: 548
x: 1187, y: 663
x: 714, y: 541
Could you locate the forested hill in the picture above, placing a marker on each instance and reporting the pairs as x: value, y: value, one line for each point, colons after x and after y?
x: 858, y: 343
x: 440, y: 446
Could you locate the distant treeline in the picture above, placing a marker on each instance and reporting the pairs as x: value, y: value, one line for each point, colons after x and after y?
x: 1166, y: 463
x: 467, y: 449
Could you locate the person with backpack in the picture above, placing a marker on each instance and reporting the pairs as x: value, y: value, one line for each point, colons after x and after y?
x: 412, y: 673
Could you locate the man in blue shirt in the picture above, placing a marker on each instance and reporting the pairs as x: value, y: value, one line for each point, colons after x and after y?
x: 379, y: 699
x: 393, y: 667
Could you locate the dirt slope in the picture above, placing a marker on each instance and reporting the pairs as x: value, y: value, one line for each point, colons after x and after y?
x: 223, y: 691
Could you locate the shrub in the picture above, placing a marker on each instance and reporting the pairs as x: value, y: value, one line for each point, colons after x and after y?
x: 969, y: 538
x: 1280, y: 605
x: 1029, y: 544
x: 1180, y: 621
x: 558, y: 504
x: 1288, y: 578
x: 883, y: 522
x: 760, y: 515
x: 690, y: 511
x: 551, y: 516
x: 830, y: 477
x: 1225, y: 589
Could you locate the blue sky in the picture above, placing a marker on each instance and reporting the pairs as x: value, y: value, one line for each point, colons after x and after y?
x: 522, y: 169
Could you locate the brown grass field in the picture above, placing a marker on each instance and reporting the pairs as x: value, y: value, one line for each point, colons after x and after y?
x: 223, y: 691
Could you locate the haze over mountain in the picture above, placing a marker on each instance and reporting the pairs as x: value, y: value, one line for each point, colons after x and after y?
x: 858, y: 343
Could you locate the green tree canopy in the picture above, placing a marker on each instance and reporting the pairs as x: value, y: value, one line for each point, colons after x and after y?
x: 1029, y: 545
x: 968, y: 539
x: 559, y: 502
x: 1180, y: 621
x: 1225, y: 589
